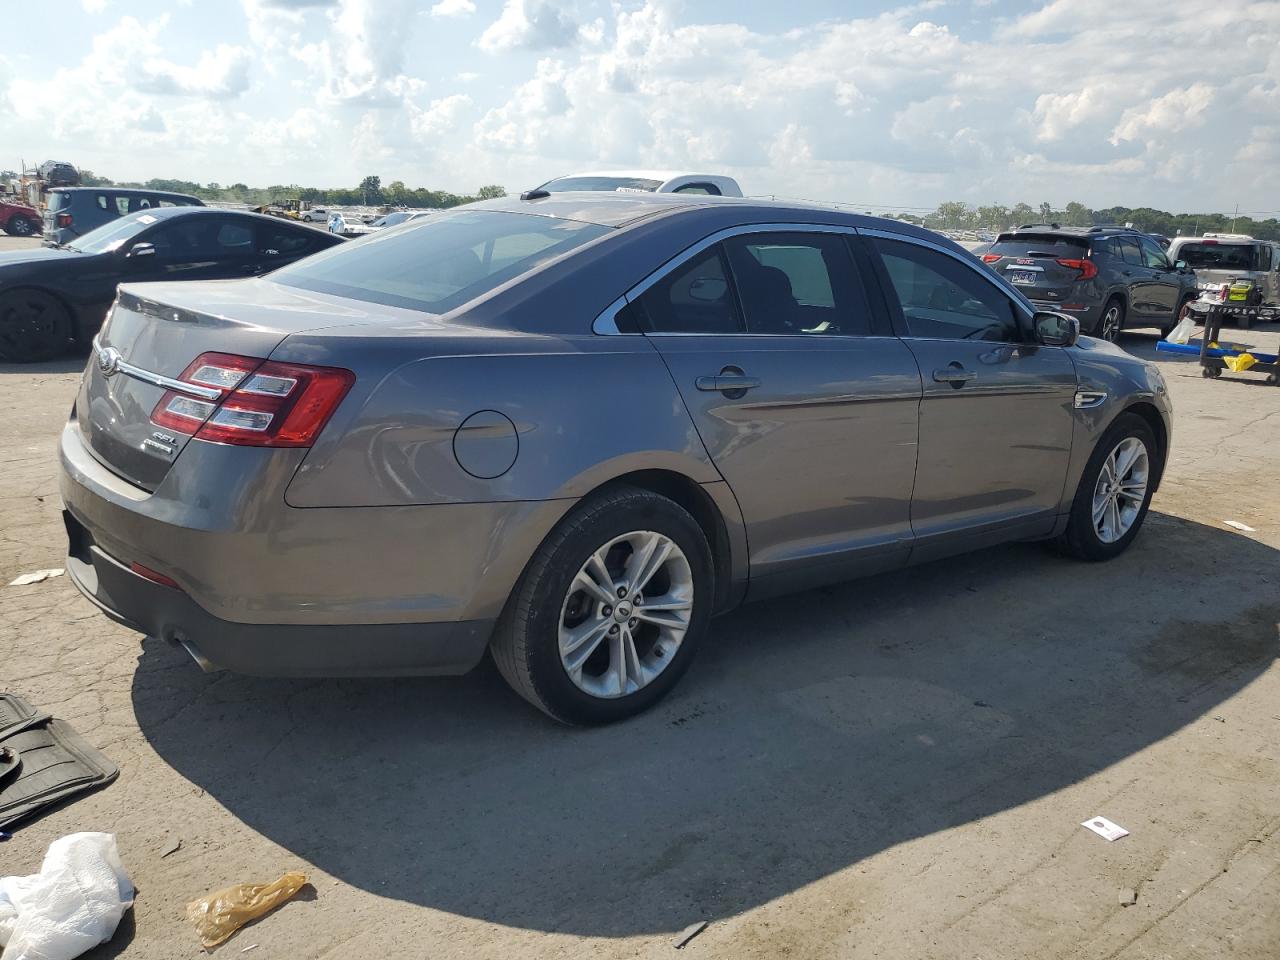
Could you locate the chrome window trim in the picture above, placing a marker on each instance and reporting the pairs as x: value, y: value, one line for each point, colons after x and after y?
x: 606, y: 325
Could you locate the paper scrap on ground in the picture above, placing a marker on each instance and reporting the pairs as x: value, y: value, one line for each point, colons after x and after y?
x: 35, y: 576
x: 1105, y: 828
x: 688, y: 933
x: 1237, y: 525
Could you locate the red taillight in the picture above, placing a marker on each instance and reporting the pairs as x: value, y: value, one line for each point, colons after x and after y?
x: 64, y: 219
x: 991, y: 257
x: 154, y: 576
x: 1088, y: 269
x: 260, y: 403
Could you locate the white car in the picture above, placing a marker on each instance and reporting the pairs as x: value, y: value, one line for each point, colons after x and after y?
x: 315, y: 215
x: 645, y: 181
x: 348, y: 225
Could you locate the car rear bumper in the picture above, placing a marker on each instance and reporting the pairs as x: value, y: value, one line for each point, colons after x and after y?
x: 270, y: 650
x: 270, y: 589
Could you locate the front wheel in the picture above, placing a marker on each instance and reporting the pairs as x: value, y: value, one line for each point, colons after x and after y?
x: 609, y: 611
x: 34, y: 326
x: 21, y: 227
x: 1114, y: 493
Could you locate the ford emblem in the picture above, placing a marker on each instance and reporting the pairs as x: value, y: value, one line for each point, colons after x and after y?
x: 108, y: 361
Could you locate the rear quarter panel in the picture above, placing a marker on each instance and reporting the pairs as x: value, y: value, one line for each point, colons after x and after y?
x: 582, y: 411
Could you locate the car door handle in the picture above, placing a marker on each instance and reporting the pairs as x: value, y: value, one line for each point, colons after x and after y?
x: 725, y: 382
x: 954, y: 374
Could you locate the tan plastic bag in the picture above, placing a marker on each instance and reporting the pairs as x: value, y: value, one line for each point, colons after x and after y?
x: 220, y: 914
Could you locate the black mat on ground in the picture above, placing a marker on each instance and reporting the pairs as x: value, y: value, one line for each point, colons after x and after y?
x: 55, y: 762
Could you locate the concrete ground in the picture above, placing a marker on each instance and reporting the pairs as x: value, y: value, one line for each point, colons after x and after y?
x: 895, y: 767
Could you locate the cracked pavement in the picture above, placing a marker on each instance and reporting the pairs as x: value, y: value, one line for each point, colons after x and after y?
x: 895, y: 767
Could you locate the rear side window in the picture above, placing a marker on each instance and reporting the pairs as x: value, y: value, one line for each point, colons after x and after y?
x: 450, y: 260
x: 58, y: 201
x: 281, y: 241
x: 1264, y: 258
x: 1130, y: 252
x: 705, y: 189
x: 695, y: 297
x: 104, y: 202
x: 943, y: 299
x: 797, y: 284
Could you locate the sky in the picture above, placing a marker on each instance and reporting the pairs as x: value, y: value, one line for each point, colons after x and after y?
x: 1173, y: 104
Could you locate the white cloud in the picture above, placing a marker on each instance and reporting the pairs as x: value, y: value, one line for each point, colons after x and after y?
x: 93, y: 6
x: 219, y: 73
x: 529, y: 25
x: 1177, y: 110
x: 453, y: 8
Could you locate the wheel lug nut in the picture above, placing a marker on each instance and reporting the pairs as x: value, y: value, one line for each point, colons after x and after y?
x: 607, y: 611
x: 639, y: 599
x: 632, y: 622
x: 622, y: 591
x: 613, y: 630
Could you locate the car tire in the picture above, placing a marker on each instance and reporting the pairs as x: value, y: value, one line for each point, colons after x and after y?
x: 1088, y: 535
x: 34, y: 326
x: 1110, y: 321
x: 22, y: 227
x: 622, y: 674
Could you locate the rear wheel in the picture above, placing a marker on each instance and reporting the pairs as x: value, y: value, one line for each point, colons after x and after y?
x: 1114, y: 493
x: 609, y: 611
x: 21, y: 227
x: 34, y: 326
x: 1112, y: 320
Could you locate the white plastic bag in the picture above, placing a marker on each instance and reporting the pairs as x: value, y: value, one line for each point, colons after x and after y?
x: 73, y: 904
x: 1184, y: 331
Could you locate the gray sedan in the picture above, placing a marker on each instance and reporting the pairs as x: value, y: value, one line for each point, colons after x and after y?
x: 570, y: 430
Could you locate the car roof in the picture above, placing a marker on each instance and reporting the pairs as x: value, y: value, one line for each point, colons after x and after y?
x: 169, y: 213
x: 662, y: 176
x: 128, y: 191
x: 623, y: 209
x: 1043, y: 228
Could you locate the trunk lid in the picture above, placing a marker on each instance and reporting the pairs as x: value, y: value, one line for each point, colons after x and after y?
x: 1031, y: 263
x: 155, y: 331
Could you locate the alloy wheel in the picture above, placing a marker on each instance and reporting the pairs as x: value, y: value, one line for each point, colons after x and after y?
x: 625, y: 615
x: 20, y: 227
x: 1109, y: 329
x: 1121, y: 489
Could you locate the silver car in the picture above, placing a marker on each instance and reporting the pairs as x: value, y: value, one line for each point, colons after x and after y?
x: 570, y: 430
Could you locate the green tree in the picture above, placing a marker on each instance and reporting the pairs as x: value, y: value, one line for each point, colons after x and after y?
x: 1078, y: 215
x: 996, y: 215
x: 1046, y: 212
x: 491, y: 192
x: 371, y: 188
x: 1021, y: 213
x: 952, y: 214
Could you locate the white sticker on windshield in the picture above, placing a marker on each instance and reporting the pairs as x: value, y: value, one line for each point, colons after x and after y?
x: 146, y: 218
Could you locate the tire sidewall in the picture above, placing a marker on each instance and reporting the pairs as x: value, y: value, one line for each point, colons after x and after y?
x: 550, y: 586
x: 1119, y: 324
x: 1081, y: 522
x: 25, y: 354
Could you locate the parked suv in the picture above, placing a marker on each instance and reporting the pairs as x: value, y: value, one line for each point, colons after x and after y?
x: 1109, y: 277
x: 1234, y: 259
x: 74, y: 211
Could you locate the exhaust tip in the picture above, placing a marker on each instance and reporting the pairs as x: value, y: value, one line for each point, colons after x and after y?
x: 203, y: 662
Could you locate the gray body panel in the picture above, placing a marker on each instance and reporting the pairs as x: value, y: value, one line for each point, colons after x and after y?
x: 469, y: 435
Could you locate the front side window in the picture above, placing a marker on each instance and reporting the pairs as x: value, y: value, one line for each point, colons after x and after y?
x: 451, y: 259
x: 798, y: 284
x: 283, y: 241
x: 695, y: 297
x: 1153, y: 256
x: 943, y: 299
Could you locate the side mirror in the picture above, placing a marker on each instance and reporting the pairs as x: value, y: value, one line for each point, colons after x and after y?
x: 1056, y: 329
x: 140, y: 251
x: 1181, y: 265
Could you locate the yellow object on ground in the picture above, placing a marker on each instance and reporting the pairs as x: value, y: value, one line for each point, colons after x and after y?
x: 220, y: 914
x: 1240, y: 363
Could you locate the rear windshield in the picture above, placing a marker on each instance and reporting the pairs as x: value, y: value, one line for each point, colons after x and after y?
x: 625, y: 184
x: 1219, y: 256
x: 57, y: 201
x: 1036, y: 245
x: 441, y: 262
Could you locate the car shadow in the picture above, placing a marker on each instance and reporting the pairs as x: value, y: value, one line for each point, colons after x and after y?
x: 72, y: 361
x: 812, y: 732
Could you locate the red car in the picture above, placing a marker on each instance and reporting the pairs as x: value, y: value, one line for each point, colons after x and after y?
x: 19, y: 220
